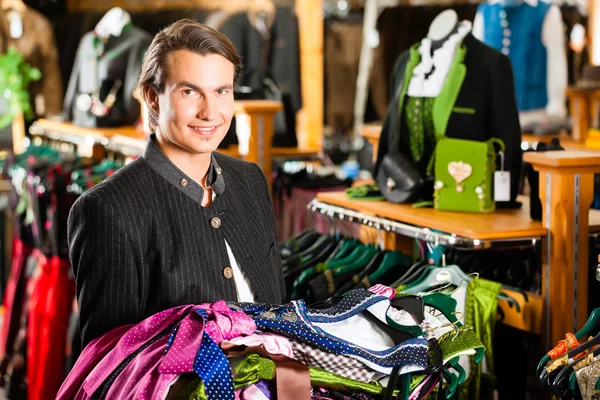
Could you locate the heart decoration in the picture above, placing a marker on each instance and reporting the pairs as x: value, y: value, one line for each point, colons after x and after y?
x: 459, y: 170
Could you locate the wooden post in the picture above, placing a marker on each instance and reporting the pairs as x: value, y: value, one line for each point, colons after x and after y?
x: 580, y: 113
x: 18, y: 133
x: 566, y: 191
x: 254, y: 125
x: 310, y: 118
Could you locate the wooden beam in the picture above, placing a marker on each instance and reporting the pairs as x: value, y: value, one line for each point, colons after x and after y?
x: 566, y: 192
x: 310, y: 118
x: 594, y: 31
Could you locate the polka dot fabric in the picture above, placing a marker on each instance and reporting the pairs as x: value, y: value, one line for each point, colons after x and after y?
x: 150, y: 356
x: 295, y: 320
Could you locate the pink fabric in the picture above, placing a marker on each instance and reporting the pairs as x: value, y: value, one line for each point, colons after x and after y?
x: 274, y: 344
x: 152, y: 371
x: 383, y: 290
x: 227, y: 324
x: 294, y: 217
x: 87, y: 361
x: 251, y: 392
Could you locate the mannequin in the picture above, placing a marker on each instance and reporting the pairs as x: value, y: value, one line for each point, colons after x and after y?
x: 540, y: 66
x: 112, y: 23
x: 450, y: 84
x: 105, y: 73
x: 444, y: 25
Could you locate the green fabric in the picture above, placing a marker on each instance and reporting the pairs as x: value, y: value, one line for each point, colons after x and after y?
x: 468, y: 186
x: 364, y: 192
x: 187, y: 386
x: 199, y: 393
x: 419, y: 121
x: 444, y: 102
x: 452, y: 345
x: 251, y: 368
x: 481, y: 311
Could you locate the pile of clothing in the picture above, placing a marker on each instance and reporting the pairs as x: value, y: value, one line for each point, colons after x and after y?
x: 367, y: 344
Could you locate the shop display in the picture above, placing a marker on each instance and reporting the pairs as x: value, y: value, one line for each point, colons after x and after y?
x: 107, y: 68
x: 451, y: 85
x: 270, y: 51
x: 531, y: 34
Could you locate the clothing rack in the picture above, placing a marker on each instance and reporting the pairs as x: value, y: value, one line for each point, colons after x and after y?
x: 425, y: 234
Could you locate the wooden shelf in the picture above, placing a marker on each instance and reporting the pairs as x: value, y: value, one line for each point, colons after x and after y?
x: 502, y: 224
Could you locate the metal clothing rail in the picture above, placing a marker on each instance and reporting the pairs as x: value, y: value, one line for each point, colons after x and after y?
x: 425, y: 234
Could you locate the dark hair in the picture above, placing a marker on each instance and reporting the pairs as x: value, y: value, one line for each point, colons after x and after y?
x: 184, y: 34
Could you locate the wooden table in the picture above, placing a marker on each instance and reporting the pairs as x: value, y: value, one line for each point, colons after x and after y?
x: 502, y: 224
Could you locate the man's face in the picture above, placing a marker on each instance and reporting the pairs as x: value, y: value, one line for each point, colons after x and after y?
x: 196, y: 106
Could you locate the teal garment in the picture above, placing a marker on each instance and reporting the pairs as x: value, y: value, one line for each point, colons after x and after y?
x: 419, y: 122
x: 481, y: 312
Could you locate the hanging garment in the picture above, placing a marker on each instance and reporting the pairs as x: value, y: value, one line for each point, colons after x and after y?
x: 586, y: 380
x: 523, y: 46
x: 38, y: 47
x: 283, y: 65
x: 50, y: 309
x: 476, y: 102
x: 104, y: 76
x: 341, y: 330
x: 13, y: 297
x: 481, y: 314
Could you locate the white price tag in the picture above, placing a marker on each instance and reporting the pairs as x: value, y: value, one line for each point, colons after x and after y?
x: 502, y: 186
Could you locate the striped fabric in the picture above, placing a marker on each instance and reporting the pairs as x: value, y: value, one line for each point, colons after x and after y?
x: 140, y: 242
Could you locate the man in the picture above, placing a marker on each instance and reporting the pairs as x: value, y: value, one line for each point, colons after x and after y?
x: 182, y: 224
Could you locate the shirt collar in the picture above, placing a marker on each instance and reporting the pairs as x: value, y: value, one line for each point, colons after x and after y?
x: 165, y: 168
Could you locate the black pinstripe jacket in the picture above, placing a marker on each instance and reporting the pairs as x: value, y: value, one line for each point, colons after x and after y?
x: 140, y: 242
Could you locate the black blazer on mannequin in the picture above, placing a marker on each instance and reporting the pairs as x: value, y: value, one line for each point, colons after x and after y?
x: 477, y: 103
x: 121, y: 59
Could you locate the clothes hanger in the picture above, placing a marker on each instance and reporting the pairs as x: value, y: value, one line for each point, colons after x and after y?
x: 548, y: 379
x: 450, y: 273
x: 591, y: 328
x: 566, y: 379
x: 392, y: 259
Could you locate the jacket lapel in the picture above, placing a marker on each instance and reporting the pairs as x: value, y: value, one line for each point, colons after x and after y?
x: 444, y: 102
x: 415, y: 59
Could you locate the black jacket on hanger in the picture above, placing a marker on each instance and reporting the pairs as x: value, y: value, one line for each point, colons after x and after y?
x: 120, y: 60
x: 487, y: 92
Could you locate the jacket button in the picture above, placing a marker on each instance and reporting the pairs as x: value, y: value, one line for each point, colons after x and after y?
x: 228, y: 273
x: 215, y: 222
x: 183, y: 182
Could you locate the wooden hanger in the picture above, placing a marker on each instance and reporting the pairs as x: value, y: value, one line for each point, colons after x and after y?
x: 261, y: 14
x: 16, y: 5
